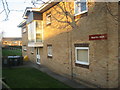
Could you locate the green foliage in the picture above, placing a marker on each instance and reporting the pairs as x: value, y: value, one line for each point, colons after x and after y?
x: 7, y: 52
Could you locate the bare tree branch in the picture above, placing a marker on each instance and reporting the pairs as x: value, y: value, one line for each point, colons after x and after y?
x: 71, y: 10
x: 6, y: 9
x: 68, y: 16
x: 1, y: 11
x: 58, y: 12
x: 34, y: 2
x: 59, y: 20
x: 110, y: 12
x: 64, y: 12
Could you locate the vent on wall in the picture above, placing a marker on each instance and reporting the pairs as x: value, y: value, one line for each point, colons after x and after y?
x: 81, y: 45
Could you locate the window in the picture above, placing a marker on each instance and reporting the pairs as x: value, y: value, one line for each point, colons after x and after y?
x: 24, y: 30
x: 24, y: 48
x: 82, y: 55
x: 35, y: 31
x: 39, y: 31
x: 32, y: 50
x: 31, y: 32
x: 80, y: 6
x: 48, y: 18
x: 49, y: 47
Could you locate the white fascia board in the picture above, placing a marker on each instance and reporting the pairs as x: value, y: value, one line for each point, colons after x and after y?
x: 46, y: 4
x: 32, y: 9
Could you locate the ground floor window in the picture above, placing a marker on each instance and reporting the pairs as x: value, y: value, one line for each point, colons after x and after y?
x: 82, y: 55
x: 24, y: 48
x: 49, y: 49
x: 32, y: 50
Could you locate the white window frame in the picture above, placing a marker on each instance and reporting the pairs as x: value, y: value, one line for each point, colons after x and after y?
x: 48, y: 50
x: 80, y: 11
x: 24, y: 30
x: 47, y: 19
x: 25, y: 49
x: 33, y: 24
x: 37, y: 55
x: 39, y: 32
x: 81, y: 62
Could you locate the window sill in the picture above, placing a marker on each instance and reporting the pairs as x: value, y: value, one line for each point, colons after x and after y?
x: 49, y: 56
x: 48, y: 24
x: 38, y: 63
x: 25, y: 50
x: 82, y: 65
x: 32, y: 52
x: 77, y: 16
x: 23, y: 32
x: 81, y: 13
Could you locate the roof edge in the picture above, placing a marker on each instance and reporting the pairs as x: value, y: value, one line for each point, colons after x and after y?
x: 22, y: 23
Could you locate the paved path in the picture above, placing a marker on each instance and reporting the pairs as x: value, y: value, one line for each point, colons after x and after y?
x: 63, y: 79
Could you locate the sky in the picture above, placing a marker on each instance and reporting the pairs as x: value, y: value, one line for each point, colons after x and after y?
x: 17, y: 8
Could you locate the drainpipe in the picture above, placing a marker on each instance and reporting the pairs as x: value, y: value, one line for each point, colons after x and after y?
x: 107, y: 71
x: 71, y: 55
x: 69, y: 41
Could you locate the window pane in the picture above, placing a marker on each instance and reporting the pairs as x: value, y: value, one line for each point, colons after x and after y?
x: 38, y: 31
x: 82, y: 55
x: 77, y: 7
x: 38, y: 37
x: 38, y: 26
x: 49, y: 50
x: 31, y: 31
x: 80, y: 6
x: 83, y: 6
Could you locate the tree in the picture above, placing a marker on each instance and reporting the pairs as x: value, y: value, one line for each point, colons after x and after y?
x: 66, y: 11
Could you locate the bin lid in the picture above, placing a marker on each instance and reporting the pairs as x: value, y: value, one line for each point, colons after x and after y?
x: 16, y: 56
x: 13, y: 56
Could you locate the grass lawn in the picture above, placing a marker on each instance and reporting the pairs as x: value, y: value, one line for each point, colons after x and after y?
x: 6, y: 52
x: 30, y: 78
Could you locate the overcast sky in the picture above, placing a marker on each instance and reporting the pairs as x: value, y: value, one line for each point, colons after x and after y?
x: 15, y: 17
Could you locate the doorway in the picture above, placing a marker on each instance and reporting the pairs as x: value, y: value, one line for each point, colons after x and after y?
x: 37, y: 56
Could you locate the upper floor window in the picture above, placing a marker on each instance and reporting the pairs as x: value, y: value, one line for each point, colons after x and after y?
x: 39, y: 31
x: 31, y: 31
x: 48, y: 18
x: 80, y: 7
x: 24, y: 30
x: 35, y: 31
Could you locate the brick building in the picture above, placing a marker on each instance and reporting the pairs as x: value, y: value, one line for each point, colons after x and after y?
x: 76, y: 40
x: 11, y: 41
